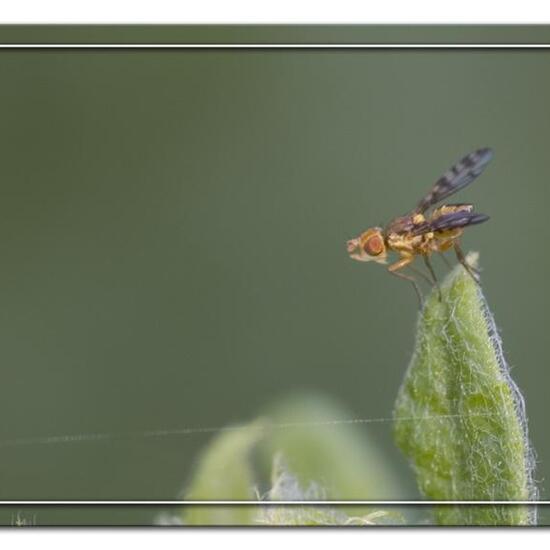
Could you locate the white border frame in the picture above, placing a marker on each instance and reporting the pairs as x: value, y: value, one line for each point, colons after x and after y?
x: 255, y: 46
x: 323, y: 46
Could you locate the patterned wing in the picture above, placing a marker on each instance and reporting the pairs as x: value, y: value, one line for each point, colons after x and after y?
x: 453, y: 220
x: 457, y: 177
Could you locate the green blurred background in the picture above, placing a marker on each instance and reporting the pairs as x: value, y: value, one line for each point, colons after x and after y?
x: 172, y: 239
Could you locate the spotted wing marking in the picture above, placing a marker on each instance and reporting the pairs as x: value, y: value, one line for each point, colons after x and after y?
x: 453, y: 220
x: 457, y: 177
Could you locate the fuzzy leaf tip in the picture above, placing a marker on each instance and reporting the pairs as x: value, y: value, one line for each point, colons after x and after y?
x: 459, y: 417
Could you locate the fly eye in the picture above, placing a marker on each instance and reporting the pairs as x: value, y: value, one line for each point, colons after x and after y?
x: 374, y: 246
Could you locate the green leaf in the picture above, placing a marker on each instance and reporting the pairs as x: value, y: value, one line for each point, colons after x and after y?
x: 330, y: 457
x: 307, y: 429
x: 459, y: 417
x: 287, y: 487
x: 334, y: 460
x: 224, y: 472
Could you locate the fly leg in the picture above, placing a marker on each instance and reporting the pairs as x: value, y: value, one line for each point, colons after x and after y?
x: 462, y: 259
x: 421, y: 274
x: 432, y: 273
x: 400, y: 264
x: 442, y: 247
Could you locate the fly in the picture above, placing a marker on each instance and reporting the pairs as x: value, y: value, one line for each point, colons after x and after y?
x: 421, y: 232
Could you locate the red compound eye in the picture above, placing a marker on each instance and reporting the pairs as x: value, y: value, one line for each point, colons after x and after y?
x: 374, y: 246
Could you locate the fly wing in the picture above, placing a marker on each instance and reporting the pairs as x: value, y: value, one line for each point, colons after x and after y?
x: 404, y: 224
x: 458, y: 176
x: 452, y: 220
